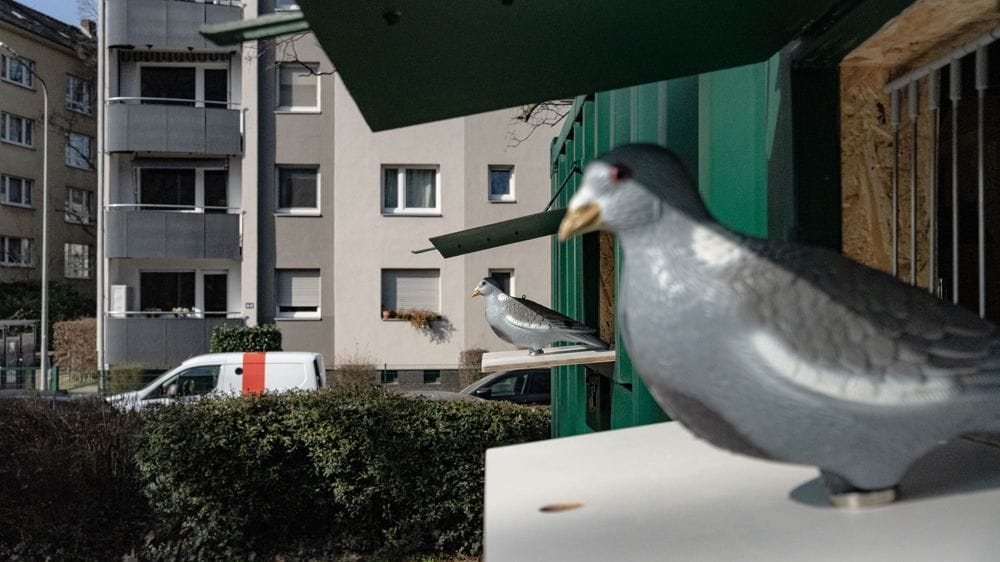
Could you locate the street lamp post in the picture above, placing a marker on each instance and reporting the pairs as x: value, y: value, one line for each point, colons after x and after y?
x: 45, y: 214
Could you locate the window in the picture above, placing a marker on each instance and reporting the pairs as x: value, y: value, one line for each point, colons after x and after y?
x: 166, y: 290
x: 412, y: 190
x: 78, y: 154
x: 389, y: 376
x: 432, y: 376
x: 501, y: 184
x: 172, y: 188
x: 216, y: 191
x: 16, y: 130
x: 15, y: 191
x: 195, y: 381
x: 79, y: 206
x: 77, y: 261
x: 298, y: 189
x: 79, y: 94
x: 216, y: 291
x: 168, y: 85
x: 505, y: 277
x: 216, y: 87
x: 298, y: 293
x: 15, y: 72
x: 15, y: 251
x: 411, y: 289
x: 298, y: 87
x: 280, y: 5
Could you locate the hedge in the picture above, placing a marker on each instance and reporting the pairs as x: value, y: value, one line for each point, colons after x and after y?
x: 229, y: 337
x: 70, y: 489
x: 349, y: 470
x: 74, y: 348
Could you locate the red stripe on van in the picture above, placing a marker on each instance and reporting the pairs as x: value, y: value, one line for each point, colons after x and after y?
x: 253, y: 373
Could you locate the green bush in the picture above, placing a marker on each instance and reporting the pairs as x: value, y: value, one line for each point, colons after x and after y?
x: 70, y: 488
x: 22, y: 300
x: 343, y: 470
x: 228, y: 337
x: 126, y: 377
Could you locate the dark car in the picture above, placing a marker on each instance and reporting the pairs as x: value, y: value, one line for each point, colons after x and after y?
x: 524, y: 386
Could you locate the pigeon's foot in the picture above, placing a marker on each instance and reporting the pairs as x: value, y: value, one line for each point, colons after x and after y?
x: 535, y: 352
x: 845, y: 495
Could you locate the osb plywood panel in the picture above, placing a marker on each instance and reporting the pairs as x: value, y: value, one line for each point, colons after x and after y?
x: 926, y: 31
x: 606, y: 300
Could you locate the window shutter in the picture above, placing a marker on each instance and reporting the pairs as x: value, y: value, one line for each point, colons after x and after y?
x: 298, y: 287
x: 411, y: 288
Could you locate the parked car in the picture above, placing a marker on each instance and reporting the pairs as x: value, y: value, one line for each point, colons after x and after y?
x: 441, y: 395
x: 228, y: 374
x: 523, y: 386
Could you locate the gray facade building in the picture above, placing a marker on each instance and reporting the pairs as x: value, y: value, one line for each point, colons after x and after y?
x: 243, y: 185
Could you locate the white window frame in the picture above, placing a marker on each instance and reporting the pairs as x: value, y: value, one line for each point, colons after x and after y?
x: 400, y: 208
x: 510, y: 270
x: 24, y: 186
x: 72, y: 211
x: 73, y: 156
x: 298, y: 314
x: 85, y: 106
x: 26, y: 244
x: 5, y: 72
x: 388, y: 273
x: 296, y: 108
x: 509, y: 197
x: 27, y: 129
x: 296, y: 211
x: 72, y: 258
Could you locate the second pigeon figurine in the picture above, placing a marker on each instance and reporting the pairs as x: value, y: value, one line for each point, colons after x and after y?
x: 527, y: 324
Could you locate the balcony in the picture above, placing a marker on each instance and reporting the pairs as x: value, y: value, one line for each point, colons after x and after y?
x: 143, y: 125
x: 159, y: 340
x: 166, y: 24
x: 136, y: 233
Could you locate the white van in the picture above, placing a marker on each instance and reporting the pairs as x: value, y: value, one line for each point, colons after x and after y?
x: 229, y: 374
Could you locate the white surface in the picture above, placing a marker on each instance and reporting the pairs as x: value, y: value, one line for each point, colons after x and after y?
x: 657, y: 493
x: 550, y: 357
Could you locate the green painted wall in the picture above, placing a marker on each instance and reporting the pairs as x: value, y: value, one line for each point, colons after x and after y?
x: 718, y: 124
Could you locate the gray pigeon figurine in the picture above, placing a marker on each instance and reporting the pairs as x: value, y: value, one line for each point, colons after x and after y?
x: 527, y: 324
x: 781, y: 351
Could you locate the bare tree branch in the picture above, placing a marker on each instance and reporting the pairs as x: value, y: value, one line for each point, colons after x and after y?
x: 532, y: 116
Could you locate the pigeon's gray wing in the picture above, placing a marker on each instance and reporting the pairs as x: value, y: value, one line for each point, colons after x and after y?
x: 528, y: 314
x: 848, y: 331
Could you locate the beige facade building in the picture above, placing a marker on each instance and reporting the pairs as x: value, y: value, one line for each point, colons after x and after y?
x: 244, y: 186
x: 56, y: 54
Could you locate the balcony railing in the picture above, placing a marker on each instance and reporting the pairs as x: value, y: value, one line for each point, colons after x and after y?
x: 166, y: 24
x: 159, y: 341
x: 170, y: 125
x: 159, y: 231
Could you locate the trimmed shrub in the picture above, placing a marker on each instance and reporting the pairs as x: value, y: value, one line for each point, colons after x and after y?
x: 70, y: 488
x: 75, y: 349
x: 229, y: 338
x: 356, y: 371
x: 126, y: 377
x: 344, y: 470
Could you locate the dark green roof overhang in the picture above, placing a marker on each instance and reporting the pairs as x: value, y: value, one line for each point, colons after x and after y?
x: 497, y: 234
x: 413, y: 61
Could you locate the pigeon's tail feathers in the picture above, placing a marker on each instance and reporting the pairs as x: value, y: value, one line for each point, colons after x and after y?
x: 589, y: 340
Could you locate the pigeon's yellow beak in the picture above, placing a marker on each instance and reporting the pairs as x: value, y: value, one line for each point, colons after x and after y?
x: 583, y: 219
x: 476, y: 293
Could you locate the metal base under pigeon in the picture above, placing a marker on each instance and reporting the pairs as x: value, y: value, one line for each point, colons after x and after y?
x: 861, y: 500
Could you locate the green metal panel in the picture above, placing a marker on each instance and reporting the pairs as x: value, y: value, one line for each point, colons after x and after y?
x: 498, y: 234
x: 732, y: 163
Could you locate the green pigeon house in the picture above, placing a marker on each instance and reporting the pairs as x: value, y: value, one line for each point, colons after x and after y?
x: 868, y: 126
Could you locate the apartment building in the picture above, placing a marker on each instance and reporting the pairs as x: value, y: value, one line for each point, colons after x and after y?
x: 58, y: 57
x: 243, y: 186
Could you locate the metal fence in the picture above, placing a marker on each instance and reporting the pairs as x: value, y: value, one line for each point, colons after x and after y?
x: 27, y: 378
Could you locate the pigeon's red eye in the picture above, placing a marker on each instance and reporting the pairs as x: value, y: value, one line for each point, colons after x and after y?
x: 620, y: 172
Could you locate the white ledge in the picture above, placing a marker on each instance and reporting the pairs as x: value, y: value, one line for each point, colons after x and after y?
x: 656, y: 493
x: 550, y: 357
